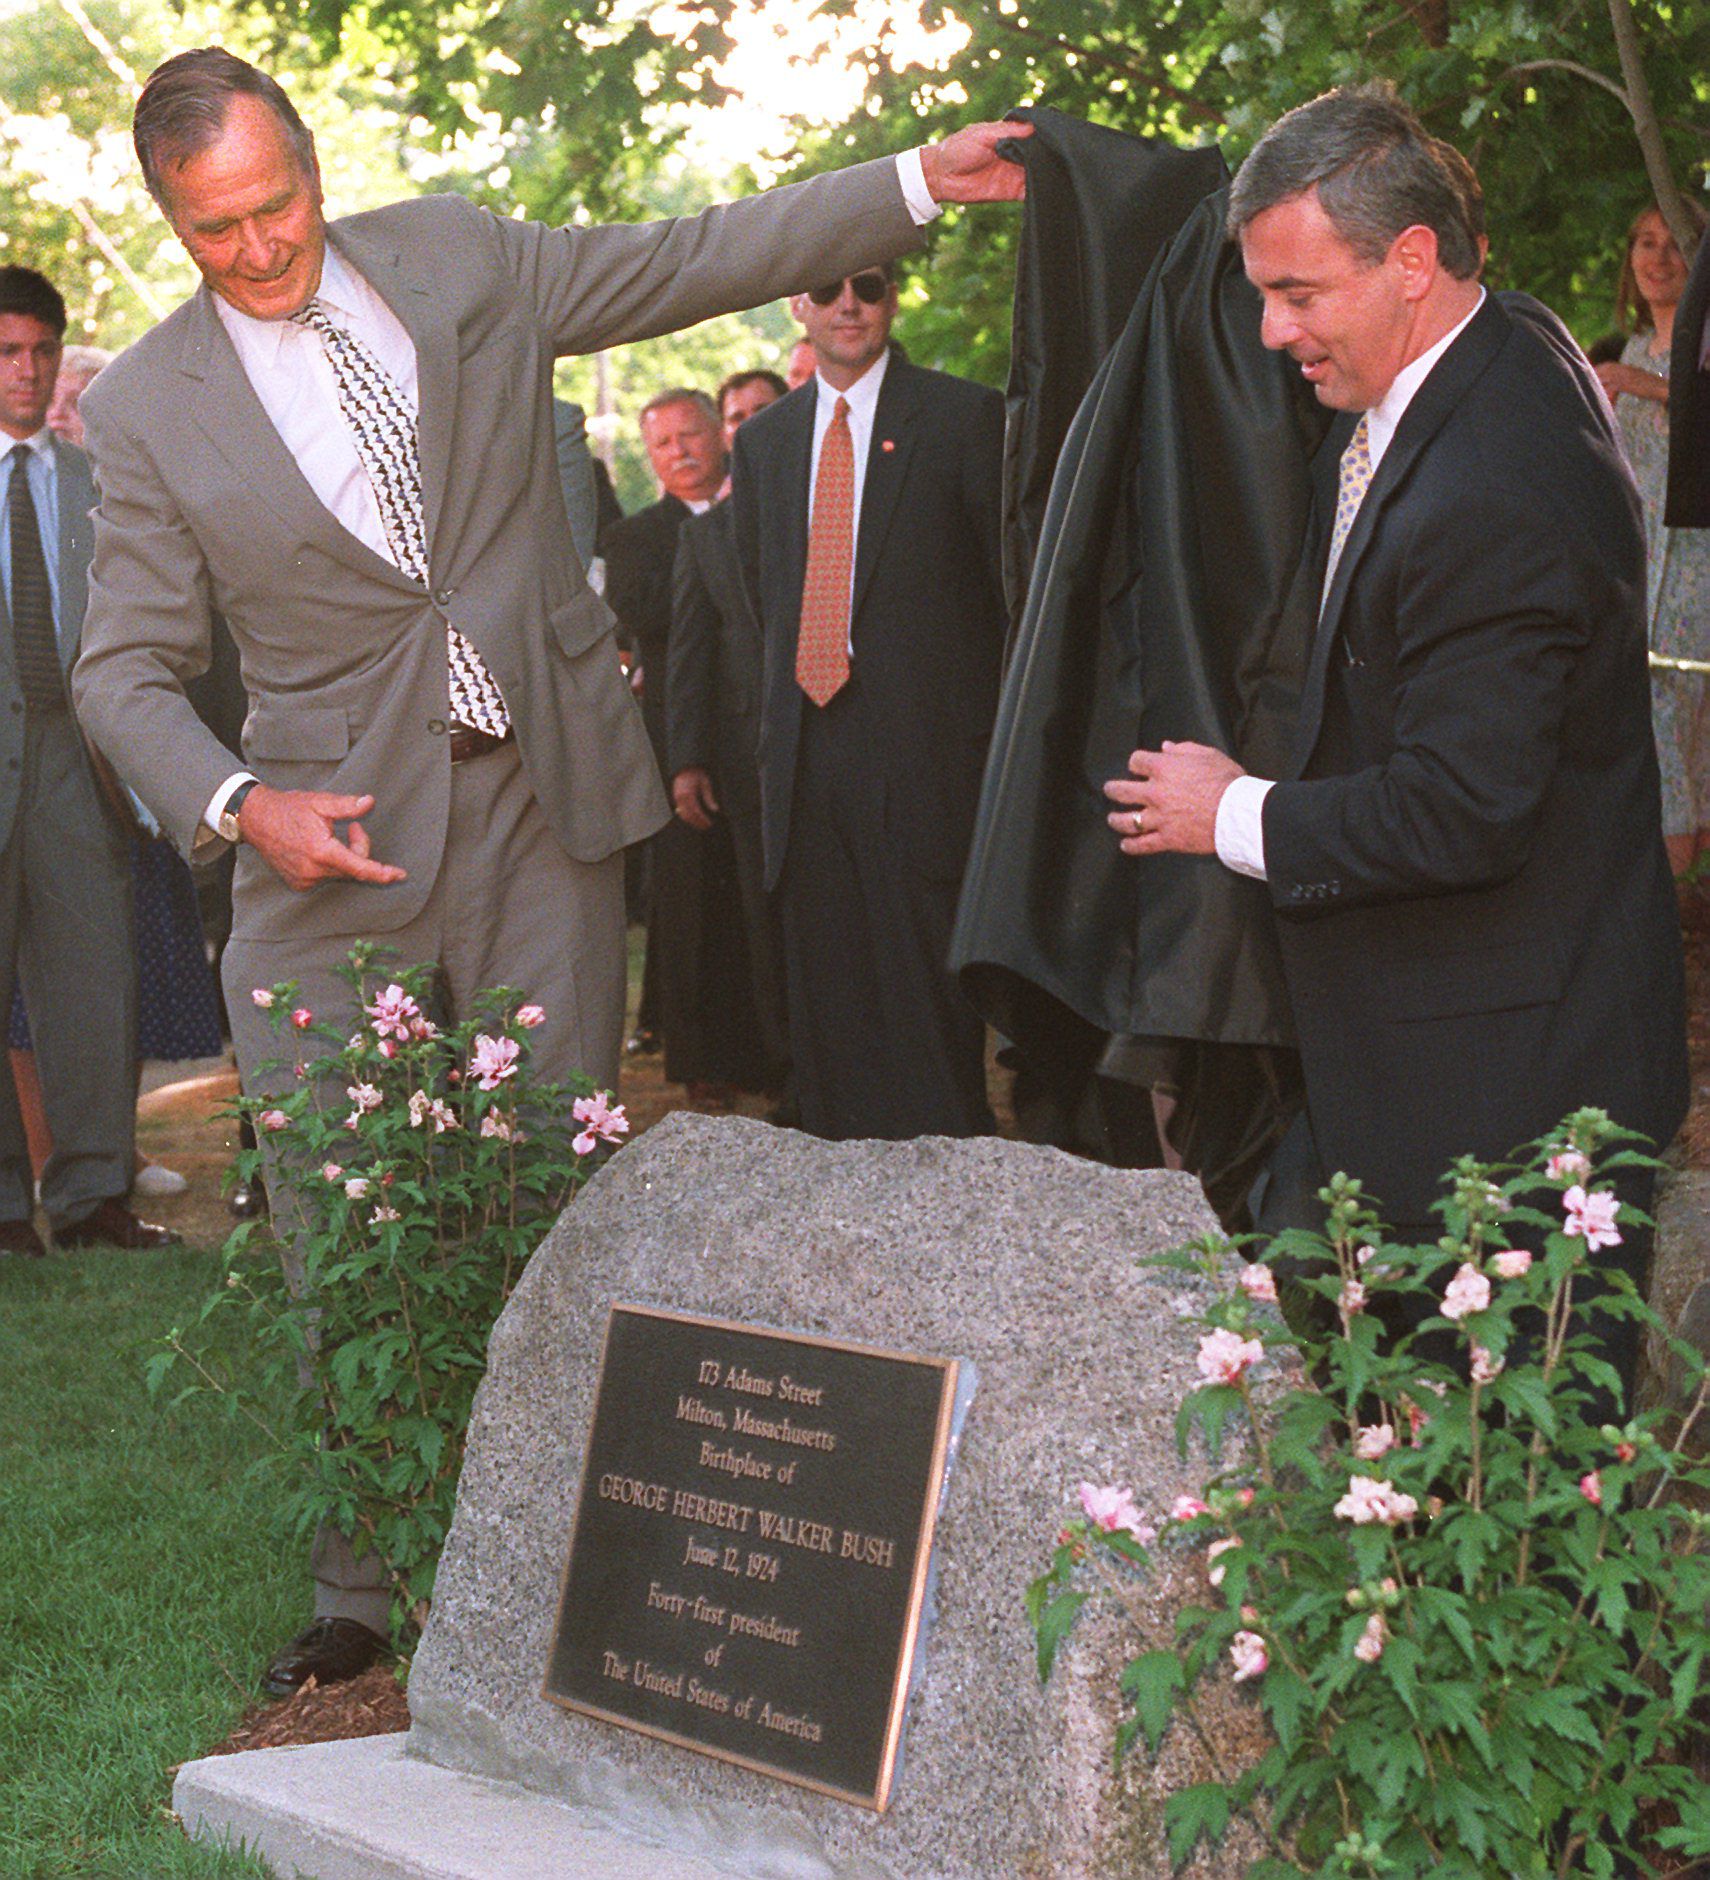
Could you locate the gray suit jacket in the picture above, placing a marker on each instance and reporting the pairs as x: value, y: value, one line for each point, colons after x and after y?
x: 76, y: 536
x: 343, y: 655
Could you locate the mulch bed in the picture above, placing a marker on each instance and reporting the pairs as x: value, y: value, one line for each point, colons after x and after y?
x: 371, y: 1705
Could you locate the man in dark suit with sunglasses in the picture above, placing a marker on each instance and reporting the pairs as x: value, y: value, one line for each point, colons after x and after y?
x: 867, y: 517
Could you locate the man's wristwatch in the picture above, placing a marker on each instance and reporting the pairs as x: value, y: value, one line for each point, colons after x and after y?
x: 228, y: 817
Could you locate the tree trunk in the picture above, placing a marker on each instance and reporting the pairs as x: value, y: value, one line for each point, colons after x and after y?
x: 1644, y: 114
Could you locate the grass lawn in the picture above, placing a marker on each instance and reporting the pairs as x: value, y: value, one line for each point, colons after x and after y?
x: 143, y: 1579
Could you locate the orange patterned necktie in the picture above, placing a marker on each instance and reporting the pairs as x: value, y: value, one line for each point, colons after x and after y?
x: 822, y: 644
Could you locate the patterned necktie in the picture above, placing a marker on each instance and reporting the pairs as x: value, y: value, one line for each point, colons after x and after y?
x: 822, y: 645
x: 1353, y: 479
x: 35, y: 646
x: 384, y: 432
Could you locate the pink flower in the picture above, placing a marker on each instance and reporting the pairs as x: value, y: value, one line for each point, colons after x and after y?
x: 424, y: 1108
x: 423, y: 1028
x: 493, y: 1060
x: 528, y: 1016
x: 1512, y: 1263
x: 392, y: 1012
x: 1368, y: 1648
x: 1353, y: 1298
x: 1365, y: 1256
x: 1225, y: 1357
x: 1213, y: 1572
x: 1374, y: 1440
x: 1591, y: 1487
x: 1114, y: 1510
x: 262, y: 997
x: 1247, y: 1649
x: 387, y: 1047
x: 1569, y: 1166
x: 330, y: 1171
x: 357, y: 1187
x: 363, y: 1097
x: 1486, y: 1367
x: 1370, y: 1499
x: 503, y: 1125
x: 1187, y: 1508
x: 382, y: 1215
x: 1258, y: 1283
x: 273, y: 1119
x: 1625, y: 1452
x: 601, y: 1120
x: 302, y: 1018
x: 1593, y: 1216
x: 1244, y: 1496
x: 1468, y: 1291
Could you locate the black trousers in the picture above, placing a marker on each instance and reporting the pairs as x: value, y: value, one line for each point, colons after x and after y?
x: 883, y: 1042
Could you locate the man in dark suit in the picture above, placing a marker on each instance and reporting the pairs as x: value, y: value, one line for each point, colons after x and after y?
x: 1464, y: 857
x: 65, y: 877
x: 867, y: 510
x: 712, y: 712
x: 1688, y: 505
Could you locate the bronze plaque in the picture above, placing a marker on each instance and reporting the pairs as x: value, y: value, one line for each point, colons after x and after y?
x: 751, y: 1545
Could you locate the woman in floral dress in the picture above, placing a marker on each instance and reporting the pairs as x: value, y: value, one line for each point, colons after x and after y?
x: 1653, y: 277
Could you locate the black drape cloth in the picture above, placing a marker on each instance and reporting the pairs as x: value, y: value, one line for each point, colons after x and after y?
x: 1169, y: 595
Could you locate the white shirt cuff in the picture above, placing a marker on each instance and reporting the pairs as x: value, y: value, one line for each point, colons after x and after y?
x: 211, y: 815
x: 1240, y: 829
x: 911, y: 173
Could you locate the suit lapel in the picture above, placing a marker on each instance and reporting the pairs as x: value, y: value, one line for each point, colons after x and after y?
x: 225, y: 408
x: 1445, y: 387
x: 795, y: 468
x: 76, y: 537
x: 887, y: 465
x: 432, y: 328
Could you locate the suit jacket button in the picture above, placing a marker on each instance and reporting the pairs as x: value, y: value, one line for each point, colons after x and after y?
x: 436, y: 726
x: 442, y: 596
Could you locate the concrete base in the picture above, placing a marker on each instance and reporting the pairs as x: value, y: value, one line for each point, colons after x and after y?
x: 362, y: 1810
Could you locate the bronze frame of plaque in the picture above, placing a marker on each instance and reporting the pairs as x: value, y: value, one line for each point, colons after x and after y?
x: 950, y: 1369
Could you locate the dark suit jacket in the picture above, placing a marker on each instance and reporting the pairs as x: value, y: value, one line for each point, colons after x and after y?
x: 928, y: 619
x: 1477, y: 917
x: 640, y: 551
x: 714, y: 665
x: 1688, y: 505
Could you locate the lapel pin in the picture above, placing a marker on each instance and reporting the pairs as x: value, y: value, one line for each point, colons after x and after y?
x: 886, y: 444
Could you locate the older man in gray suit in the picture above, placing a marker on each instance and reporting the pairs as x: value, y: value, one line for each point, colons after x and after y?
x: 65, y: 896
x: 344, y: 443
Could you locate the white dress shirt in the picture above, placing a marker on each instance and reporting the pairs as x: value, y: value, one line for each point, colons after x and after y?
x: 287, y: 367
x: 863, y: 399
x: 1239, y: 831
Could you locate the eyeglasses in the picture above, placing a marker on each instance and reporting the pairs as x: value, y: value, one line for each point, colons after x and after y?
x: 870, y: 287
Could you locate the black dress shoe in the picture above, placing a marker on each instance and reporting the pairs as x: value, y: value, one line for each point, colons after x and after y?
x: 114, y: 1225
x: 330, y: 1651
x: 21, y: 1238
x: 247, y: 1200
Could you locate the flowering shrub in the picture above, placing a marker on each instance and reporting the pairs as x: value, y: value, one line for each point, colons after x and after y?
x: 1474, y: 1619
x: 422, y: 1168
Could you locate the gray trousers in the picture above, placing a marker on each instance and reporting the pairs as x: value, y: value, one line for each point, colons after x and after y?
x: 65, y: 930
x: 509, y: 907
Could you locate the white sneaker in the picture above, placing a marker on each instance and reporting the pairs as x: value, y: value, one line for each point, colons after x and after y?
x: 154, y: 1181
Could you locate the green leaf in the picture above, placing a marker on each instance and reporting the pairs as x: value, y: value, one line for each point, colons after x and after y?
x: 1053, y: 1624
x: 1153, y: 1681
x: 1189, y: 1814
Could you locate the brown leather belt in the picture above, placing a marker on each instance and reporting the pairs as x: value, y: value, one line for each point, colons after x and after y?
x: 467, y: 742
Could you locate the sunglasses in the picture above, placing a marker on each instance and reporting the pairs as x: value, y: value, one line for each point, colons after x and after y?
x: 870, y: 287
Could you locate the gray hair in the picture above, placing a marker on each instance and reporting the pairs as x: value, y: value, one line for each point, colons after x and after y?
x: 83, y: 362
x: 682, y: 395
x: 183, y: 106
x: 1377, y: 171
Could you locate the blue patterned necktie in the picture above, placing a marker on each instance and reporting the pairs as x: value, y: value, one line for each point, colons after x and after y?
x: 1353, y: 479
x: 383, y: 429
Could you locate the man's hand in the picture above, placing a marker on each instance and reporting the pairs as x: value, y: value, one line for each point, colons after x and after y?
x: 292, y: 832
x: 1170, y: 806
x: 638, y: 680
x: 692, y: 796
x: 967, y: 168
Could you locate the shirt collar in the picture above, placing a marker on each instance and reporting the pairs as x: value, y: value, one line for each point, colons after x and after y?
x: 1386, y: 414
x: 339, y: 289
x: 40, y: 443
x: 863, y: 395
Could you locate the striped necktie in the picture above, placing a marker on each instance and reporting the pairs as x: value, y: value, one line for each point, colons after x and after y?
x: 35, y: 646
x: 383, y: 429
x: 822, y: 641
x: 1353, y: 479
